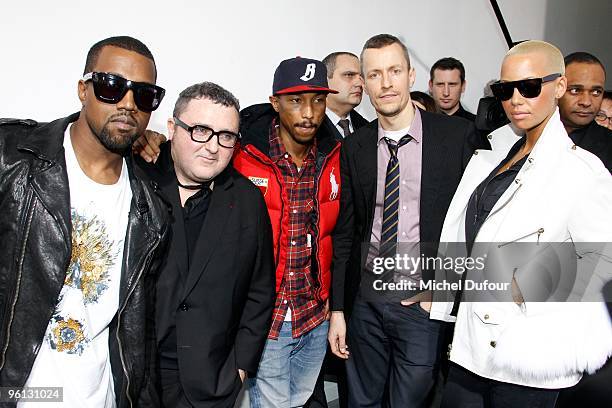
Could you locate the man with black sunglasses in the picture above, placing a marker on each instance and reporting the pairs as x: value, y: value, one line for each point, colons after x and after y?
x: 82, y: 238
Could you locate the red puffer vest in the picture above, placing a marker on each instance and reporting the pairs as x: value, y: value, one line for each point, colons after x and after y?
x: 253, y: 162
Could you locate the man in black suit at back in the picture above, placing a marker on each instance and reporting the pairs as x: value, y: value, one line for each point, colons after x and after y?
x: 341, y: 119
x: 399, y: 174
x: 215, y: 292
x: 344, y: 74
x: 586, y: 78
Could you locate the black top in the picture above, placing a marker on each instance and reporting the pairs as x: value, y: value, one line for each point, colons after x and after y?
x: 486, y: 195
x: 482, y: 201
x: 462, y: 113
x: 597, y: 140
x: 194, y: 213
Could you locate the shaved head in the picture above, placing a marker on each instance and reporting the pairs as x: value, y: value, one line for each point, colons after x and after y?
x: 548, y: 53
x: 533, y: 59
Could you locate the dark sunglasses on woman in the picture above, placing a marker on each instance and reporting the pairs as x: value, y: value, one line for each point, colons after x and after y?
x: 529, y: 88
x: 111, y: 88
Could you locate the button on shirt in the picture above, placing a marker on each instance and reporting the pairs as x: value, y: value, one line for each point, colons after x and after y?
x: 410, y: 158
x: 194, y: 214
x: 298, y: 287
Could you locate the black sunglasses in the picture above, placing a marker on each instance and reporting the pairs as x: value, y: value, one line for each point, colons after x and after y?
x: 202, y: 134
x: 529, y: 88
x: 111, y: 88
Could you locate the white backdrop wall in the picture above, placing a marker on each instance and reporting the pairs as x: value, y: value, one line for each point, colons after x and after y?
x: 238, y: 44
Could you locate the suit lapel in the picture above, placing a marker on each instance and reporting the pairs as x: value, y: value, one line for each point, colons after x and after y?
x: 221, y: 206
x: 331, y: 128
x: 431, y: 159
x: 357, y: 120
x: 366, y: 164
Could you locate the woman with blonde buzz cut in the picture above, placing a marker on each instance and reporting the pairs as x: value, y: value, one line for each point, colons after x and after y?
x: 536, y: 188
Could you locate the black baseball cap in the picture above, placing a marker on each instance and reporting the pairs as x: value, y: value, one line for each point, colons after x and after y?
x: 299, y: 74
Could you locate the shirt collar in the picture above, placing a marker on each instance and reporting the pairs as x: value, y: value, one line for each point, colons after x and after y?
x: 415, y: 130
x: 335, y: 118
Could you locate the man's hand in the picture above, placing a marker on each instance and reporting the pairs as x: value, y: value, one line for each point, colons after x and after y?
x: 423, y: 298
x: 242, y: 374
x: 337, y: 335
x: 147, y: 145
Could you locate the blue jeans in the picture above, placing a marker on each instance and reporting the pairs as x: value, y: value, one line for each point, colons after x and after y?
x: 289, y: 368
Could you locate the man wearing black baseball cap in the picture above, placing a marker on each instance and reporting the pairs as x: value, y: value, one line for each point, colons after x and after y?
x: 296, y: 164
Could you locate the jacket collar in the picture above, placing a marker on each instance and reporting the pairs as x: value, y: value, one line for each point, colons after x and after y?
x: 553, y: 139
x: 47, y: 141
x: 47, y: 144
x: 541, y: 161
x: 258, y: 131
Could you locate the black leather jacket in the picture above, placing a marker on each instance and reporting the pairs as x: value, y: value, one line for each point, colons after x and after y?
x: 35, y: 237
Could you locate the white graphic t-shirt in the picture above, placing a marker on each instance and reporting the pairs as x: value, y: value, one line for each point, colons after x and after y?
x: 74, y: 353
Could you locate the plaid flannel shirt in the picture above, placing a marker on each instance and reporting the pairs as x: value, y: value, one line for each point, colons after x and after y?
x: 297, y: 290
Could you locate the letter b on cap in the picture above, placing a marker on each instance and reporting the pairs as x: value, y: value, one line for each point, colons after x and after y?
x: 310, y: 72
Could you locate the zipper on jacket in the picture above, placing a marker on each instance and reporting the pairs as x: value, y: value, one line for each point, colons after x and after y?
x: 316, y: 224
x: 539, y: 231
x: 18, y: 281
x: 282, y: 209
x: 316, y: 229
x: 127, y: 298
x: 496, y: 211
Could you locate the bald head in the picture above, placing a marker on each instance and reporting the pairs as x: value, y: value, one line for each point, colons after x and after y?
x: 531, y: 110
x: 549, y: 56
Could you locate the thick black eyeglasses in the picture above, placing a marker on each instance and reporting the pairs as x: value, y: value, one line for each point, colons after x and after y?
x: 111, y: 88
x: 202, y: 134
x: 529, y: 88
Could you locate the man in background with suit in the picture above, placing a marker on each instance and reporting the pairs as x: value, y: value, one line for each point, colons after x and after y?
x: 604, y: 116
x: 586, y: 78
x: 343, y: 75
x: 399, y: 174
x: 578, y: 107
x: 216, y: 290
x: 341, y: 119
x: 447, y: 85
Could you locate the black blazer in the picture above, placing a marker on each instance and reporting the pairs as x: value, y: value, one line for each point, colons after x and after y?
x: 448, y: 144
x: 597, y: 140
x: 357, y: 120
x: 222, y: 305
